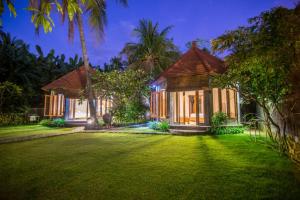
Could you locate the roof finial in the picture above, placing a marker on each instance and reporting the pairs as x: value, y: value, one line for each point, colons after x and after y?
x: 194, y: 44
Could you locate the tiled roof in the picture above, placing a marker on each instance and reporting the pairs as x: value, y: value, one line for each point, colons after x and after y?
x: 194, y: 62
x: 71, y: 83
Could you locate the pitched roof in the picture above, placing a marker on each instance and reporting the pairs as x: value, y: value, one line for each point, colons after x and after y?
x: 71, y: 83
x: 194, y: 62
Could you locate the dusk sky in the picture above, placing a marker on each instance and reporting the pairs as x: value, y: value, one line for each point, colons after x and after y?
x: 191, y: 19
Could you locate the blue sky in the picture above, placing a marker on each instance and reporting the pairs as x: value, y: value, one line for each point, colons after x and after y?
x: 190, y: 19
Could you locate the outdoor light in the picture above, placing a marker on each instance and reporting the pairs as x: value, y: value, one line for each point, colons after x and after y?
x: 89, y: 121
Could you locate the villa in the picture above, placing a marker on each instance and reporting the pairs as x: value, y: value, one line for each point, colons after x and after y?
x: 183, y: 94
x: 63, y: 98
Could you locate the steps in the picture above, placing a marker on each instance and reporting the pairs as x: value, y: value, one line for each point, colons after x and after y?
x: 189, y: 130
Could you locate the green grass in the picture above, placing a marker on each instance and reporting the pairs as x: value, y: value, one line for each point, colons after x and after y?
x: 26, y: 130
x: 138, y: 166
x: 139, y: 130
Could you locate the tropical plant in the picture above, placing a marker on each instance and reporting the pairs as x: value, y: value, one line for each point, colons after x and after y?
x: 154, y: 51
x: 12, y: 119
x: 46, y: 122
x: 153, y: 125
x: 115, y: 63
x: 126, y: 88
x: 164, y: 126
x: 74, y: 10
x: 262, y: 59
x: 200, y: 43
x: 10, y: 97
x: 10, y: 6
x: 17, y: 65
x: 219, y: 118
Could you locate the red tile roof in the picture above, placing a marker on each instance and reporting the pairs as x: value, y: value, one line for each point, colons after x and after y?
x: 194, y: 62
x: 70, y: 84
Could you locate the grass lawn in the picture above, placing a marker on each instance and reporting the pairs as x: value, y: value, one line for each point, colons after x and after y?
x: 142, y: 166
x: 26, y: 130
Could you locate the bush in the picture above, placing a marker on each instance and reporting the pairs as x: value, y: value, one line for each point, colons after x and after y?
x: 221, y: 130
x: 46, y: 122
x: 58, y: 122
x: 153, y: 125
x: 218, y: 119
x: 164, y: 126
x: 11, y: 119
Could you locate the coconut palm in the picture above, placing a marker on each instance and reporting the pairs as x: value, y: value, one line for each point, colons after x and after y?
x: 10, y: 6
x: 73, y: 11
x: 154, y: 51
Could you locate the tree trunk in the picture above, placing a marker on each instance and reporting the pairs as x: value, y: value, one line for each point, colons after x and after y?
x: 88, y: 90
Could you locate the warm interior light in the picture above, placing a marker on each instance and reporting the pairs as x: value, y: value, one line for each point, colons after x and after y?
x: 89, y: 121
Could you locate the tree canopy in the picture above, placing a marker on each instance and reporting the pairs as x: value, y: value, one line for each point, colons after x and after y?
x: 262, y: 57
x: 154, y: 51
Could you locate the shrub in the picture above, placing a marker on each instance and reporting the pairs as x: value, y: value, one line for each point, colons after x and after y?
x: 218, y: 119
x: 10, y: 119
x: 163, y: 126
x: 153, y: 125
x: 46, y: 122
x: 221, y: 130
x: 59, y: 122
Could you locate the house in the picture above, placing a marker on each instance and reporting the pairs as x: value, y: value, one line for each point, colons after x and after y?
x: 63, y: 98
x: 183, y: 94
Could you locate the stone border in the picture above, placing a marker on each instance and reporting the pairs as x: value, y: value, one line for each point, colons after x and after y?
x: 38, y: 136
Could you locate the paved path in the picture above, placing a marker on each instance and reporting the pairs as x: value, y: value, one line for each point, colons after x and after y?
x: 38, y: 136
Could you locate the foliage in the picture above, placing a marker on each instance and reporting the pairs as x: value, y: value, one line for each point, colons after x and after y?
x: 218, y: 119
x: 10, y: 97
x: 115, y: 63
x: 261, y: 58
x: 127, y: 89
x: 46, y: 122
x: 10, y: 119
x: 58, y: 122
x: 153, y: 125
x: 154, y: 51
x: 23, y: 68
x: 10, y: 6
x: 221, y: 130
x: 200, y: 43
x: 164, y: 126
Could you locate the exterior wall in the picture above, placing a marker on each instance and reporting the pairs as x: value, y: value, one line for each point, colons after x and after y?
x: 56, y: 105
x: 193, y: 107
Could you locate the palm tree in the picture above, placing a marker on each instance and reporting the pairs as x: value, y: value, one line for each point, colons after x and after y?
x: 74, y: 11
x: 154, y: 51
x: 10, y: 6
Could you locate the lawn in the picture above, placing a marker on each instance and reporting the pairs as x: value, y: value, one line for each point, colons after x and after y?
x: 143, y: 166
x: 27, y: 130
